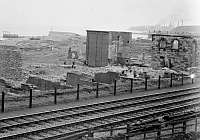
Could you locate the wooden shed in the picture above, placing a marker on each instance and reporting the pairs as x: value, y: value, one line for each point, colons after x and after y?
x: 97, y: 48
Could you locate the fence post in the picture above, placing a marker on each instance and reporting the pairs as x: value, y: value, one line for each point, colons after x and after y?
x: 144, y: 138
x: 90, y: 134
x: 159, y: 82
x: 196, y: 122
x: 111, y: 131
x: 115, y: 86
x: 55, y: 95
x: 145, y: 82
x: 77, y: 96
x: 2, y: 101
x: 171, y: 77
x: 45, y: 85
x: 182, y: 79
x: 97, y: 90
x: 127, y: 131
x: 131, y: 85
x: 173, y: 129
x: 159, y: 132
x: 30, y: 98
x: 184, y: 127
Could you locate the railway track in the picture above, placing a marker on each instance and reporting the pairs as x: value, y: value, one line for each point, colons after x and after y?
x: 153, y: 126
x: 64, y: 122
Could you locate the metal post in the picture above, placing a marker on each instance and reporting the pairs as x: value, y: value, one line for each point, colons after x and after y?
x: 171, y: 77
x: 97, y: 90
x: 90, y: 134
x: 145, y: 82
x: 131, y: 85
x: 77, y: 96
x: 127, y: 131
x: 55, y: 95
x: 173, y: 129
x: 126, y: 137
x: 128, y: 128
x: 159, y: 82
x: 192, y: 80
x: 144, y: 138
x: 159, y: 132
x: 45, y: 85
x: 30, y: 98
x: 184, y: 127
x: 182, y: 79
x: 196, y: 122
x: 111, y: 131
x: 2, y: 101
x: 115, y: 86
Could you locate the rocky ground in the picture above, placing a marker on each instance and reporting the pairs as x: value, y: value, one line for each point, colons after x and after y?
x: 45, y: 57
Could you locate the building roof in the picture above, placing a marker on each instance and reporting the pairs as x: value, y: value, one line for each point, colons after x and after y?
x: 172, y: 35
x: 97, y: 31
x: 107, y: 31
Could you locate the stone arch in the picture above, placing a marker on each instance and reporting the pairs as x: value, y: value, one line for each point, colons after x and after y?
x: 175, y: 44
x: 162, y: 43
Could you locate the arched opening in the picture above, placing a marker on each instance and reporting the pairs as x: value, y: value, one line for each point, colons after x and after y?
x: 162, y: 44
x: 175, y: 45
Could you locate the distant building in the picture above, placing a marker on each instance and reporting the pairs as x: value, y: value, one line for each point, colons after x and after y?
x: 9, y: 35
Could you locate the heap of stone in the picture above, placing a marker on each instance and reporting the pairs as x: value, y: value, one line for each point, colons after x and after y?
x: 11, y: 64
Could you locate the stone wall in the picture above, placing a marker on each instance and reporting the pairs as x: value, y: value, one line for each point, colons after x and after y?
x: 125, y: 37
x: 175, y: 52
x: 137, y: 52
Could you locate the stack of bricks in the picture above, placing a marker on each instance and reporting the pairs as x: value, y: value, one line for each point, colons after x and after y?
x: 11, y: 63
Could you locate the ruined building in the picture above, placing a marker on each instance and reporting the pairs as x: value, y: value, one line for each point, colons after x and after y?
x: 175, y: 51
x: 125, y: 37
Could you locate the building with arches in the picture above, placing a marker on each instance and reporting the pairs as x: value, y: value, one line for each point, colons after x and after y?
x: 176, y: 51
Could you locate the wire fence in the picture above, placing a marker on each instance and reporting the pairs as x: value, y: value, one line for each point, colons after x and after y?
x: 30, y: 97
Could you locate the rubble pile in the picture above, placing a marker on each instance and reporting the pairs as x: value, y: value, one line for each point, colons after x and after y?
x: 11, y: 65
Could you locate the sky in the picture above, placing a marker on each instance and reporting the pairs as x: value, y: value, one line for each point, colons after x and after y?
x: 37, y: 17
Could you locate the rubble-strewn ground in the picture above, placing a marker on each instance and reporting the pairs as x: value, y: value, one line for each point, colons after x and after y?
x: 45, y: 58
